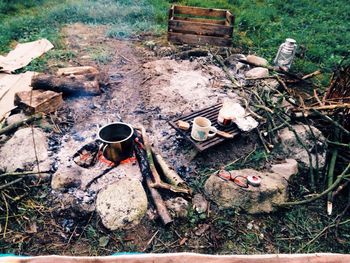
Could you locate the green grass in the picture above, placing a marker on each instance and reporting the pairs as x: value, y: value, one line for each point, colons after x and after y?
x: 321, y: 27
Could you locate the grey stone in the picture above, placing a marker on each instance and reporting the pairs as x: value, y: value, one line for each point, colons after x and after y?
x: 15, y: 118
x: 257, y: 73
x: 234, y: 59
x: 200, y: 204
x: 19, y: 152
x: 286, y: 169
x: 253, y: 200
x: 257, y: 60
x: 291, y: 148
x: 122, y: 204
x: 178, y: 206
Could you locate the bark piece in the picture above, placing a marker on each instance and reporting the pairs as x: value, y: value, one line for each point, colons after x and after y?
x: 70, y: 85
x: 38, y: 101
x: 77, y: 71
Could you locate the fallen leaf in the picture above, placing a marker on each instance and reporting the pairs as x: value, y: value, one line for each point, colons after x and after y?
x: 183, y: 241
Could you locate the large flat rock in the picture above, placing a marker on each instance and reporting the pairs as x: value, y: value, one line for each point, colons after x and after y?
x: 253, y: 200
x: 313, y: 140
x: 20, y: 152
x: 122, y: 204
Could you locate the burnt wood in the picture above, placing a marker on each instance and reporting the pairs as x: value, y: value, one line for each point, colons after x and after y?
x: 211, y: 113
x: 69, y: 85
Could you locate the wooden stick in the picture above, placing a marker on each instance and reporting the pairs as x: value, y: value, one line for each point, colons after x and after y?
x: 11, y: 183
x: 311, y: 75
x: 159, y: 203
x: 21, y: 173
x: 170, y: 175
x: 155, y: 195
x: 20, y: 123
x: 330, y: 176
x: 325, y: 192
x: 322, y: 232
x: 158, y: 183
x: 233, y: 80
x: 332, y: 121
x: 327, y: 107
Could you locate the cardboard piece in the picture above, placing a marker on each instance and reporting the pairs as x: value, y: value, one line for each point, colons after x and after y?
x: 23, y: 54
x: 11, y: 84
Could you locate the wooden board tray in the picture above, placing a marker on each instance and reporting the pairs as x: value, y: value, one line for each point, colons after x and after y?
x: 200, y: 26
x: 211, y: 113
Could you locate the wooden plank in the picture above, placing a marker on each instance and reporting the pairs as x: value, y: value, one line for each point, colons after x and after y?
x: 198, y: 11
x: 171, y: 12
x: 36, y: 101
x: 77, y: 71
x: 188, y: 27
x: 199, y: 20
x: 230, y: 19
x: 180, y: 38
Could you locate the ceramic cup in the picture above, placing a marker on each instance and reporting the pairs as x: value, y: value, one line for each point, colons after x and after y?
x: 202, y: 129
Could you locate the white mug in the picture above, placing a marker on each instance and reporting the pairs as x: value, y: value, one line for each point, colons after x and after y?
x: 202, y: 129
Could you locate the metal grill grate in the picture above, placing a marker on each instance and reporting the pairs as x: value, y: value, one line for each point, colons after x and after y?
x: 211, y: 113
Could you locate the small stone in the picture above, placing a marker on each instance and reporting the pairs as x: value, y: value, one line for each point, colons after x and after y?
x: 122, y: 204
x: 234, y: 59
x: 259, y: 61
x: 286, y: 169
x: 15, y: 118
x: 200, y: 204
x: 257, y: 73
x: 253, y: 200
x: 179, y: 206
x: 18, y: 152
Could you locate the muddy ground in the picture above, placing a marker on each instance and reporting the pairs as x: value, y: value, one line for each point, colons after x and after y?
x: 139, y: 91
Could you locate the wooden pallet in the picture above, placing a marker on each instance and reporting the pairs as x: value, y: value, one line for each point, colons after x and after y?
x: 200, y: 26
x: 211, y: 113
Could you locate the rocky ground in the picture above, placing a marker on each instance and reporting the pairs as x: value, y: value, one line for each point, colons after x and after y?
x: 144, y: 84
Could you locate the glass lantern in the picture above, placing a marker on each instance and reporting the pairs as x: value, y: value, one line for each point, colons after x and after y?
x: 285, y: 54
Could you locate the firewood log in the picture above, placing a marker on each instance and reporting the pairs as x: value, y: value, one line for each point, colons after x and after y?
x: 69, y: 85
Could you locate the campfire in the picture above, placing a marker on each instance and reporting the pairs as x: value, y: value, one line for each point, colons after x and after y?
x: 164, y: 142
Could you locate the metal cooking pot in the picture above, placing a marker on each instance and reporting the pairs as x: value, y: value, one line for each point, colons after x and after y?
x: 118, y: 141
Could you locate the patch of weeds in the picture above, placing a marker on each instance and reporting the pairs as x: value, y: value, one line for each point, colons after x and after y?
x: 102, y: 57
